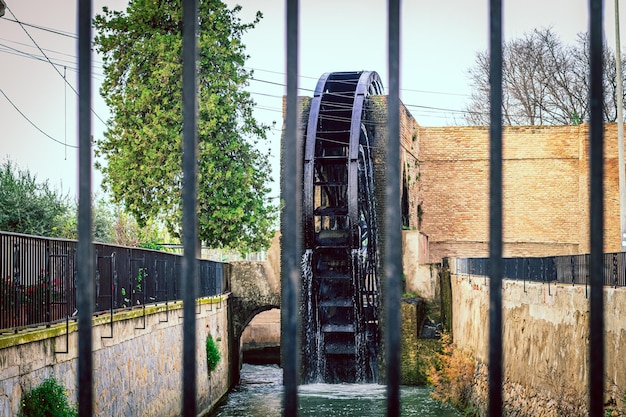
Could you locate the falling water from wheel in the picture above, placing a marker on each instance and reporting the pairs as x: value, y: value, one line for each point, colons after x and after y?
x: 339, y: 264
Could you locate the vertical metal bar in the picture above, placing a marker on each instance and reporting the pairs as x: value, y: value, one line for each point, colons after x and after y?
x: 596, y: 221
x: 495, y: 211
x: 189, y: 267
x: 393, y: 219
x: 85, y: 237
x: 290, y: 221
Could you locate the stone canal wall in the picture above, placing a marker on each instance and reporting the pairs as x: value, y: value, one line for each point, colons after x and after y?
x: 137, y: 360
x: 545, y: 344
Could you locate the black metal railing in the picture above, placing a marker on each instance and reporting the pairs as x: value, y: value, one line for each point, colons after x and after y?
x: 38, y: 285
x: 291, y: 232
x: 569, y: 269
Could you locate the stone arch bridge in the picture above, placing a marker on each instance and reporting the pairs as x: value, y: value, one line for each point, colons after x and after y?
x: 255, y: 288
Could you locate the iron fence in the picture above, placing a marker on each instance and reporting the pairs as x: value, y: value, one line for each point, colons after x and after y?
x: 38, y: 285
x: 570, y: 269
x: 291, y: 233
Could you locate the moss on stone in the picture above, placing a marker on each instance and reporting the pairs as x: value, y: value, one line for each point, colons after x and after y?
x: 28, y: 335
x: 416, y: 355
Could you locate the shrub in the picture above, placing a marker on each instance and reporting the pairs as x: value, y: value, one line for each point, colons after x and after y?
x: 49, y: 399
x: 212, y: 354
x: 453, y: 375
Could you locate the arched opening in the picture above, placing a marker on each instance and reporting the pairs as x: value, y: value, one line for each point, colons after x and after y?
x: 405, y: 201
x: 260, y: 339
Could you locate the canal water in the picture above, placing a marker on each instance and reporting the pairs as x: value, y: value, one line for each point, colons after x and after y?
x: 260, y: 391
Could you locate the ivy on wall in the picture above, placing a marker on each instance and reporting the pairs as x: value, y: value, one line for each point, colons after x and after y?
x: 213, y: 355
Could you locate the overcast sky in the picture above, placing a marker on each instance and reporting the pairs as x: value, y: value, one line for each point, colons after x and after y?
x: 439, y: 42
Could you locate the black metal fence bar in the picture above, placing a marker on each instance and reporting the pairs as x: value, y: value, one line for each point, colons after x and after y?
x: 596, y: 221
x: 568, y: 269
x: 291, y: 239
x: 39, y: 277
x: 190, y: 230
x: 393, y: 219
x: 495, y: 211
x: 85, y: 250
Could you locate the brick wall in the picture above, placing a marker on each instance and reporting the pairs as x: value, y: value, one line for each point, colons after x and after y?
x: 545, y: 188
x: 409, y: 157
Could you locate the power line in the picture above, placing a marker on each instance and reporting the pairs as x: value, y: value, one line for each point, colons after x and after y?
x: 53, y: 66
x: 33, y: 123
x: 434, y: 92
x: 73, y: 56
x: 55, y: 31
x: 339, y: 81
x: 60, y: 63
x: 347, y: 107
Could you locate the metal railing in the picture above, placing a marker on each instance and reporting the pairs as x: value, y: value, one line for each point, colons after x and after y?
x: 38, y: 279
x: 291, y: 233
x: 569, y: 269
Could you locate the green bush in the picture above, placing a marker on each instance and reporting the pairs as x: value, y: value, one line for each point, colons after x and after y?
x: 49, y: 399
x: 212, y: 354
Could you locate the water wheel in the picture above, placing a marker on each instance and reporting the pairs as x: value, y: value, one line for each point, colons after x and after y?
x: 340, y: 292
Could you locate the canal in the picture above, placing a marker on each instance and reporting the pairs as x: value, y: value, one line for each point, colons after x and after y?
x: 259, y: 395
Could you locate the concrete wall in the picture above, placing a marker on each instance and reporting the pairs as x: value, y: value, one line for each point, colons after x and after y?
x: 420, y: 276
x: 137, y: 372
x: 545, y: 334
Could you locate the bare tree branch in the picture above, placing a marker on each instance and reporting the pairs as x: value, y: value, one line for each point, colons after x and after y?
x: 545, y: 82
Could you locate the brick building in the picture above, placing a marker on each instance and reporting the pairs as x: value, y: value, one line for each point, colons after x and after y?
x: 545, y: 185
x: 445, y: 185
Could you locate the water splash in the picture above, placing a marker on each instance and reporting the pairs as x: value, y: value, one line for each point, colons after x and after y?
x: 311, y: 330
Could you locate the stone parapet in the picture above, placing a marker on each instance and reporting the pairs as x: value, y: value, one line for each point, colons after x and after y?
x: 137, y: 360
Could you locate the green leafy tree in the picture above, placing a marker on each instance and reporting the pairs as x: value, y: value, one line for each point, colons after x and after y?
x: 127, y: 232
x: 27, y: 205
x: 103, y: 222
x: 142, y: 49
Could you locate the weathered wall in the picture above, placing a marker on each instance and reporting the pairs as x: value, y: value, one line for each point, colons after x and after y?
x: 545, y: 339
x: 255, y: 288
x: 420, y: 277
x: 545, y: 187
x: 137, y: 371
x: 260, y: 340
x: 409, y: 160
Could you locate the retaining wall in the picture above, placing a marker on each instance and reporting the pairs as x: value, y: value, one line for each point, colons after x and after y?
x: 137, y: 365
x: 545, y: 343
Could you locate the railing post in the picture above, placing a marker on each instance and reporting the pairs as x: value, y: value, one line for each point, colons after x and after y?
x: 85, y: 235
x: 190, y: 230
x: 393, y: 217
x: 495, y: 212
x: 596, y: 221
x: 290, y: 221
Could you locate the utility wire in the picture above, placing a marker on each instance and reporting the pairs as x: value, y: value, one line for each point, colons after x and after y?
x: 94, y: 62
x: 53, y: 66
x: 55, y: 31
x: 58, y: 32
x: 32, y: 123
x: 70, y: 35
x: 342, y: 106
x: 74, y: 36
x: 59, y: 63
x: 348, y: 107
x: 340, y: 81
